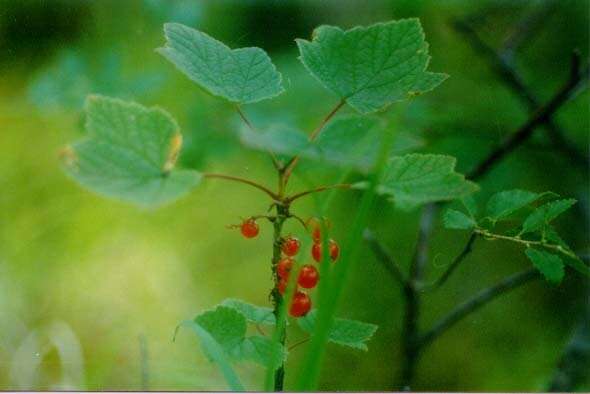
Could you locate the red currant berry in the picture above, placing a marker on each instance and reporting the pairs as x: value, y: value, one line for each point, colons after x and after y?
x: 284, y: 267
x: 316, y: 235
x: 316, y: 251
x: 249, y: 228
x: 282, y: 286
x: 334, y: 250
x: 308, y: 277
x: 300, y: 305
x: 291, y: 246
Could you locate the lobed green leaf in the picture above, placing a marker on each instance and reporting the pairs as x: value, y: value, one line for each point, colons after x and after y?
x: 243, y: 75
x: 505, y: 203
x: 252, y: 313
x: 371, y: 67
x: 228, y: 325
x: 351, y: 333
x: 350, y: 141
x: 129, y: 153
x: 415, y: 179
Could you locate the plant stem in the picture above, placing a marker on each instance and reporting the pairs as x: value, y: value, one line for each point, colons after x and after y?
x: 317, y: 190
x: 276, y: 297
x: 275, y: 161
x: 291, y: 165
x: 411, y: 346
x: 272, y: 194
x: 527, y: 243
x: 456, y: 262
x: 384, y: 257
x: 574, y: 83
x: 476, y: 302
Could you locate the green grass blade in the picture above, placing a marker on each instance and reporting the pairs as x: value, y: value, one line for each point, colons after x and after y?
x: 309, y: 375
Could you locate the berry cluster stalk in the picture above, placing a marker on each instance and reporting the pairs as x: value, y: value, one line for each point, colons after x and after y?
x: 276, y: 297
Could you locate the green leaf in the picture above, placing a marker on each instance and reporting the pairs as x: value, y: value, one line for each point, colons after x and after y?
x: 227, y: 325
x: 260, y: 349
x: 417, y: 179
x: 576, y: 263
x: 350, y: 141
x: 505, y: 203
x: 544, y: 214
x: 548, y: 264
x: 470, y: 204
x: 216, y: 353
x: 371, y: 67
x: 456, y: 220
x: 351, y: 333
x: 281, y: 139
x: 244, y: 75
x: 129, y: 153
x: 252, y: 313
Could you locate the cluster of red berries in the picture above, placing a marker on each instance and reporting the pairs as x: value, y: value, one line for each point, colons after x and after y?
x: 308, y: 276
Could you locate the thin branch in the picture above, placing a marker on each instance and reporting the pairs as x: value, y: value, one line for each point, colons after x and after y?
x: 477, y: 301
x: 275, y: 161
x: 411, y: 330
x: 293, y: 162
x: 320, y: 127
x: 299, y: 220
x: 260, y: 330
x: 526, y: 27
x: 503, y: 68
x: 422, y: 244
x: 242, y: 180
x: 317, y: 190
x: 453, y: 266
x: 527, y: 243
x: 574, y: 363
x: 575, y: 82
x: 384, y: 257
x: 301, y: 342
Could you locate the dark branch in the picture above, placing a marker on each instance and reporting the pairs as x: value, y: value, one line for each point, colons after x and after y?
x: 453, y: 266
x: 506, y: 72
x: 477, y: 301
x: 575, y: 82
x: 574, y: 364
x: 527, y: 27
x: 384, y: 257
x: 422, y: 244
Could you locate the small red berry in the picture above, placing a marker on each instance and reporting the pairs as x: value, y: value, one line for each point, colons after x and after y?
x: 291, y: 246
x: 316, y: 228
x: 300, y: 305
x: 282, y: 286
x: 284, y: 267
x: 249, y: 228
x: 316, y: 251
x: 334, y: 250
x: 308, y: 277
x: 316, y: 235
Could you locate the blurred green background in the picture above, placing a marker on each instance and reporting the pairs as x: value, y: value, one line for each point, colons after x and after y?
x: 91, y: 289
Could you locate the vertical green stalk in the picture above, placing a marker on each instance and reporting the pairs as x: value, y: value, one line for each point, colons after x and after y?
x: 276, y: 297
x: 309, y: 375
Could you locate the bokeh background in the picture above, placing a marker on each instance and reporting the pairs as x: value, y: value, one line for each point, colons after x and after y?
x: 92, y: 289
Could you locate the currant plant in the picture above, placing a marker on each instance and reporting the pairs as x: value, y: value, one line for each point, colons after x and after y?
x: 503, y: 221
x: 131, y: 153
